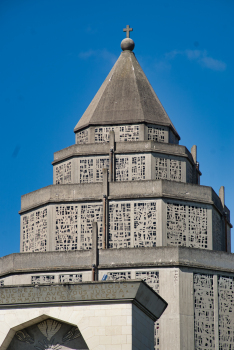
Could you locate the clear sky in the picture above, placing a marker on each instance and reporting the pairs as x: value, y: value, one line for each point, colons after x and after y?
x: 54, y: 55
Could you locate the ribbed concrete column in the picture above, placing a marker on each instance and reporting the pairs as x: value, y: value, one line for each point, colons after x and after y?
x: 186, y: 304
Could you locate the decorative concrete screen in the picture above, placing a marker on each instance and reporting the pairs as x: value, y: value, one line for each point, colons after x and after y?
x: 63, y: 173
x: 132, y: 224
x: 70, y: 223
x: 127, y: 168
x: 68, y: 278
x: 204, y: 312
x: 120, y: 275
x: 157, y: 133
x: 226, y: 312
x: 34, y: 231
x: 48, y: 334
x: 43, y: 279
x: 168, y: 169
x: 187, y: 225
x: 130, y: 168
x: 51, y: 279
x: 122, y: 168
x: 123, y: 133
x: 82, y: 137
x: 102, y: 134
x: 213, y: 295
x: 73, y: 229
x: 128, y: 133
x: 90, y: 169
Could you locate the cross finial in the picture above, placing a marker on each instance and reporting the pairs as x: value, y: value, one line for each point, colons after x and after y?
x: 127, y: 30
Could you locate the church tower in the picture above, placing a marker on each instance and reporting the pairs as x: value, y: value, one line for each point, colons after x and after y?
x: 126, y: 203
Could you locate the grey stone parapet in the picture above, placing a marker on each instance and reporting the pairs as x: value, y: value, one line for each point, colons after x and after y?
x: 209, y: 260
x: 121, y: 190
x: 135, y: 291
x: 121, y: 148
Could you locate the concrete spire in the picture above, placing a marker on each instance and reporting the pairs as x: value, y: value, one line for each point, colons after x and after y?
x: 125, y: 97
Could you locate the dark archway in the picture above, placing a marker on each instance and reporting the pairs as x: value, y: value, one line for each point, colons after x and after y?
x: 49, y: 334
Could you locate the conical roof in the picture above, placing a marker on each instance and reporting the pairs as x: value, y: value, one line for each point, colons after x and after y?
x: 125, y: 97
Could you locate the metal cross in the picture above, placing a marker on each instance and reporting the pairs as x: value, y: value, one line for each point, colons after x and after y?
x: 127, y: 30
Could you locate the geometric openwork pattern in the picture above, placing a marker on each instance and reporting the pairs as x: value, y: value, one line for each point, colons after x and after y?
x: 217, y: 230
x: 187, y: 226
x: 128, y: 133
x: 138, y: 168
x: 122, y: 168
x: 132, y: 224
x: 87, y: 169
x: 70, y: 278
x: 73, y: 229
x: 145, y: 224
x: 120, y: 225
x: 42, y: 279
x: 169, y: 169
x: 175, y: 170
x: 152, y: 279
x: 82, y: 137
x: 101, y: 163
x: 63, y: 173
x: 91, y: 169
x: 204, y: 312
x: 161, y: 168
x: 204, y: 320
x: 130, y: 168
x: 66, y: 230
x: 226, y: 312
x: 120, y: 275
x: 34, y: 231
x: 156, y: 134
x: 90, y: 213
x: 102, y: 134
x: 123, y: 133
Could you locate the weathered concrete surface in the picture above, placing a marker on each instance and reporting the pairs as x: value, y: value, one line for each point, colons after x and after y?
x: 45, y: 261
x: 136, y: 291
x: 61, y: 193
x: 123, y: 190
x: 117, y: 258
x: 126, y: 96
x: 122, y: 148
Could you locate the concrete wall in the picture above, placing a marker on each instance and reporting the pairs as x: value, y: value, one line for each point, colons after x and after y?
x: 106, y: 327
x: 172, y: 272
x: 145, y: 222
x: 109, y: 315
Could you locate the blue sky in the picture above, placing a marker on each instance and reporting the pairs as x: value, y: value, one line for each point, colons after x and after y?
x: 54, y: 55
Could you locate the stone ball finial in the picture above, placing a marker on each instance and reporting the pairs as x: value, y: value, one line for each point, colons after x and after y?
x: 127, y: 44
